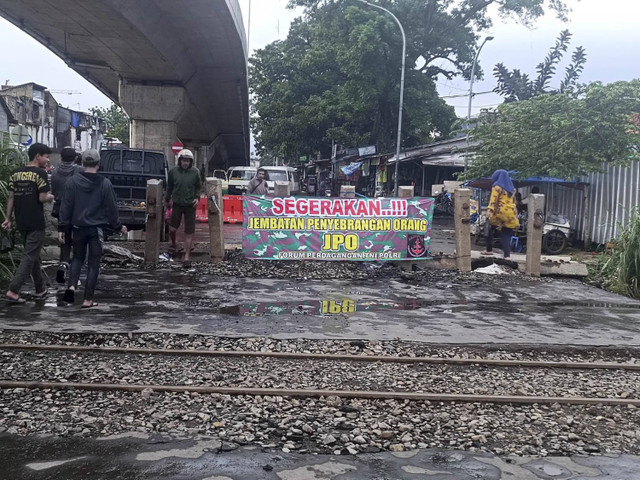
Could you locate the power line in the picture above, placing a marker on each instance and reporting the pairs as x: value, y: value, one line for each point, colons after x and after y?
x: 477, y: 106
x: 452, y: 87
x: 466, y: 94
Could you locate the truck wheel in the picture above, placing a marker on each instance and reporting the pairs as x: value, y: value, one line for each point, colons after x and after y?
x: 554, y: 242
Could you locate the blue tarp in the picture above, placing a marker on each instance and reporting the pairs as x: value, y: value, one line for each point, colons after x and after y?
x: 351, y: 168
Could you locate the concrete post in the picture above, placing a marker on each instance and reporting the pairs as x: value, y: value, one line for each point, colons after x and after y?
x: 405, y: 192
x: 215, y: 209
x: 535, y: 222
x: 348, y: 191
x: 154, y: 111
x: 154, y: 222
x: 462, y: 198
x: 281, y: 189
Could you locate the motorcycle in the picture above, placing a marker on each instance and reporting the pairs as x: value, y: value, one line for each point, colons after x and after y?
x: 444, y: 203
x: 556, y: 234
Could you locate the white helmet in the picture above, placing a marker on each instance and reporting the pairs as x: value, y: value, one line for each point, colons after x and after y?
x: 185, y: 153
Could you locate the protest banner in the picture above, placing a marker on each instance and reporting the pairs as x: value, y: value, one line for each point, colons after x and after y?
x: 308, y: 228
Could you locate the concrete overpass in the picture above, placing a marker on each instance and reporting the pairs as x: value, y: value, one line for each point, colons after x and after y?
x: 177, y: 67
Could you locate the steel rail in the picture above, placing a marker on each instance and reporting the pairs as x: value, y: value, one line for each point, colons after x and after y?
x: 312, y: 393
x: 328, y: 357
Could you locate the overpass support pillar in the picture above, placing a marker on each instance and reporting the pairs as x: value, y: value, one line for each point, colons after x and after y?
x: 154, y: 111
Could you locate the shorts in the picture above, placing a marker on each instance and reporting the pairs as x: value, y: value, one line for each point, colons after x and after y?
x: 189, y: 213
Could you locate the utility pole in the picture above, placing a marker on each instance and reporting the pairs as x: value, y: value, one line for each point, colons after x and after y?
x: 473, y: 72
x: 404, y: 54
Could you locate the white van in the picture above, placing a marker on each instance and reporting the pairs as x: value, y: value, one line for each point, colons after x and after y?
x: 239, y: 178
x: 283, y: 174
x: 222, y: 175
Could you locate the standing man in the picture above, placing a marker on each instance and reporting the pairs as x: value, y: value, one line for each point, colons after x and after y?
x: 62, y: 173
x: 183, y: 188
x: 258, y: 184
x: 28, y: 191
x: 88, y: 206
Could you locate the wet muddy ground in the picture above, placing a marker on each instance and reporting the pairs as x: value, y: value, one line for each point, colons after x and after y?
x: 341, y: 300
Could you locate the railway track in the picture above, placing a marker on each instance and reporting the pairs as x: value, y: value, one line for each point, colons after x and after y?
x: 34, y: 366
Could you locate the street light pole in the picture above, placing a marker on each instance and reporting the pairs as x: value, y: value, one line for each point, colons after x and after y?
x: 473, y: 72
x: 404, y: 54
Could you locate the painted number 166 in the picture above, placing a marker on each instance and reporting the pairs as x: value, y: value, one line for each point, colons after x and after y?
x: 333, y: 242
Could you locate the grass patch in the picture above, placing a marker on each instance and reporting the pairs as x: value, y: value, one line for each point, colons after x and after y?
x: 618, y: 267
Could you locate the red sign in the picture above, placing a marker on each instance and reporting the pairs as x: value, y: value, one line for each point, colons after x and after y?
x: 176, y: 147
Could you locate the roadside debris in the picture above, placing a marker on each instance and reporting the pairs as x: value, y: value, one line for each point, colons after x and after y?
x: 118, y: 256
x: 495, y: 269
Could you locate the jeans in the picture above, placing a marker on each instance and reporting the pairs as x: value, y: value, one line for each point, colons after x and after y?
x: 30, y: 265
x: 91, y: 238
x: 507, y: 233
x: 65, y: 248
x: 505, y: 239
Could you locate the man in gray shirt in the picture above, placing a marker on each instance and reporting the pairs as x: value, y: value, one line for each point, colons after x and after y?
x: 258, y: 184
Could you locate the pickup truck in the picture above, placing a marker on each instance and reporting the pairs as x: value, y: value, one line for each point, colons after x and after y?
x: 129, y: 170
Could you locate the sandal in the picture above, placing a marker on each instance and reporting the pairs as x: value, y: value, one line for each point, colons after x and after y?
x: 92, y: 304
x: 42, y: 295
x: 15, y: 301
x: 486, y: 253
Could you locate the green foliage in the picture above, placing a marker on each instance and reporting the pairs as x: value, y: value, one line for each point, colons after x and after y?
x: 118, y: 125
x: 516, y: 86
x: 620, y: 265
x: 561, y: 135
x: 336, y: 76
x: 10, y: 159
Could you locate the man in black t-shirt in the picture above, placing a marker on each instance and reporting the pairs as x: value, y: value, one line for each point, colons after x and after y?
x: 28, y: 191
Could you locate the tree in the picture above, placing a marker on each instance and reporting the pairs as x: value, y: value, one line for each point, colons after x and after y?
x: 561, y: 135
x: 117, y: 122
x: 515, y: 85
x: 336, y: 76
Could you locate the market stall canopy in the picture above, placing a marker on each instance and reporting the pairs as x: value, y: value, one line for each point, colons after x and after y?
x: 447, y: 160
x: 486, y: 183
x: 445, y: 153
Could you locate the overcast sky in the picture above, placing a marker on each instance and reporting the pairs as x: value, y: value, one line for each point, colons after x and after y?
x: 607, y: 29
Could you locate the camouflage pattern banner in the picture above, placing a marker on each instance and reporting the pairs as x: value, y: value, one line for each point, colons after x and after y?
x: 311, y: 228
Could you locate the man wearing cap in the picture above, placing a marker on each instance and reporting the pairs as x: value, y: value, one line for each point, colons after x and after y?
x: 183, y: 188
x: 89, y: 206
x: 61, y: 174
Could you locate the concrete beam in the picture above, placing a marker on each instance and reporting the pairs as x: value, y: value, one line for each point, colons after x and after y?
x: 154, y: 113
x: 154, y: 221
x: 216, y: 226
x: 535, y: 222
x: 281, y: 189
x: 405, y: 192
x: 348, y: 191
x: 462, y: 197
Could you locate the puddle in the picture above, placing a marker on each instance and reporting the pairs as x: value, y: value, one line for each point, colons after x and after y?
x: 344, y: 306
x: 348, y: 306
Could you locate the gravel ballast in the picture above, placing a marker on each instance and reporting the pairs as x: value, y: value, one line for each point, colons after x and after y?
x: 327, y: 424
